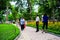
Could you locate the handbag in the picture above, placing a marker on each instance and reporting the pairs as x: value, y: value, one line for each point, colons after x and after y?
x: 24, y: 25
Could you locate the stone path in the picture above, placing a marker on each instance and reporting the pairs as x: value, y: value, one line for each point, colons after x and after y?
x: 30, y: 34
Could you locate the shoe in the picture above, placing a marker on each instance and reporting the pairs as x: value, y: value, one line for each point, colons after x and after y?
x: 46, y: 32
x: 37, y: 31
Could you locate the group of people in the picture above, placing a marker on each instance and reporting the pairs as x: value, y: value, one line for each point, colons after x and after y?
x: 44, y: 20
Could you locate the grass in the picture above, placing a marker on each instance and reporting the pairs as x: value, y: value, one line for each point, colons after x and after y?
x: 8, y: 32
x: 53, y: 28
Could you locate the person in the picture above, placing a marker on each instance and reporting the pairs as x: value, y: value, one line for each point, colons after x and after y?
x: 42, y: 17
x: 22, y: 23
x: 45, y: 22
x: 37, y: 23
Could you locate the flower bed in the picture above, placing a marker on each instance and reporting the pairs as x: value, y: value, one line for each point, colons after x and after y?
x: 54, y: 28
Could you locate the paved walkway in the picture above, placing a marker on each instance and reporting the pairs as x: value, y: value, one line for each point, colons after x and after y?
x: 30, y: 34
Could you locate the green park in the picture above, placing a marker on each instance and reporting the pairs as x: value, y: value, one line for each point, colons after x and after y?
x: 11, y: 12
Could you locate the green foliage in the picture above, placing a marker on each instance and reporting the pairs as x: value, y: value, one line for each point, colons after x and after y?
x: 1, y: 16
x: 8, y: 32
x: 14, y: 12
x: 10, y: 17
x: 27, y: 16
x: 48, y: 7
x: 3, y: 4
x: 45, y: 6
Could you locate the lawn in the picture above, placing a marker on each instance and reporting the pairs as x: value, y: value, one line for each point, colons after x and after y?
x: 8, y: 32
x: 53, y: 28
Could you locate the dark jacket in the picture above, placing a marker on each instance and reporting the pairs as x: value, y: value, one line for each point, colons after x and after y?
x: 45, y: 18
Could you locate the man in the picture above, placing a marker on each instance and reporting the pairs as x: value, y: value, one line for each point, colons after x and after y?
x: 45, y: 22
x: 37, y: 23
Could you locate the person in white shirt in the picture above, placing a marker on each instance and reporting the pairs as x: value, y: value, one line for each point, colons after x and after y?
x: 22, y: 22
x: 37, y: 23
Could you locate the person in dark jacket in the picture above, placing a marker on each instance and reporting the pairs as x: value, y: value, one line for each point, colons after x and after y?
x: 45, y: 22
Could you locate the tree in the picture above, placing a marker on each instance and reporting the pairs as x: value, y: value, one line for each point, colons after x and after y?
x: 48, y: 6
x: 19, y: 6
x: 4, y: 5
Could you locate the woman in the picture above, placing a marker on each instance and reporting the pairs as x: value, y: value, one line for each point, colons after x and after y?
x: 22, y: 23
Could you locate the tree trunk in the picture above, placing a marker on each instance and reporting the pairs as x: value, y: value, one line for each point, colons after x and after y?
x: 53, y: 16
x: 7, y: 14
x: 29, y: 8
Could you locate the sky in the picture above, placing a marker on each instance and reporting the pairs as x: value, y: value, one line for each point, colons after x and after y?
x: 36, y: 8
x: 12, y: 3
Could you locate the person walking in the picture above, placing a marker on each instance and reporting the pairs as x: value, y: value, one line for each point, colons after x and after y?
x: 37, y: 23
x: 45, y: 22
x: 22, y: 23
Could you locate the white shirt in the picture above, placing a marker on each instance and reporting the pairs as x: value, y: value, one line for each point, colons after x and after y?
x: 37, y: 18
x: 22, y: 21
